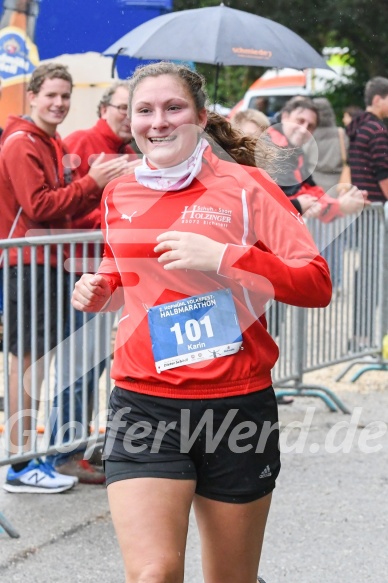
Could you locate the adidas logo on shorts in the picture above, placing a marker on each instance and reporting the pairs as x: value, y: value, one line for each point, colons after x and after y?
x: 266, y: 473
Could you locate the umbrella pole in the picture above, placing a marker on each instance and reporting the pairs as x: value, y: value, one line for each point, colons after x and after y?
x: 114, y: 61
x: 216, y: 85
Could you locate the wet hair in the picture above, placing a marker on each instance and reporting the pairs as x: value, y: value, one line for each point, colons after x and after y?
x: 375, y: 86
x: 251, y: 115
x: 48, y: 71
x: 300, y: 102
x: 243, y: 149
x: 106, y: 97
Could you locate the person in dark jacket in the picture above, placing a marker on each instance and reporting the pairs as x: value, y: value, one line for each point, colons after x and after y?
x: 368, y: 142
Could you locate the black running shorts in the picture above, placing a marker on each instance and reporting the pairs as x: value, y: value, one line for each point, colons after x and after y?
x: 229, y: 446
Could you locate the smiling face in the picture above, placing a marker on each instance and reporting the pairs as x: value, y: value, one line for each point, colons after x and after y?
x: 164, y: 120
x: 51, y: 104
x: 298, y: 125
x: 116, y: 114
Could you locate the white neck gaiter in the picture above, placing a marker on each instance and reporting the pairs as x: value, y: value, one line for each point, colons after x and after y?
x: 176, y: 177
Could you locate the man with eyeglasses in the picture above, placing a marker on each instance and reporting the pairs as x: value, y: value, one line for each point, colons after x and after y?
x: 110, y: 135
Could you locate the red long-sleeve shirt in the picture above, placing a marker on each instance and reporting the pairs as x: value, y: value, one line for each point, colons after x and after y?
x: 269, y: 253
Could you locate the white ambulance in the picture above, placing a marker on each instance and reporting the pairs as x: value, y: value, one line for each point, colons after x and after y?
x: 276, y: 86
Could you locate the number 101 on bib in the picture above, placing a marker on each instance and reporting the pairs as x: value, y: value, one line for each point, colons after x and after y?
x: 194, y: 329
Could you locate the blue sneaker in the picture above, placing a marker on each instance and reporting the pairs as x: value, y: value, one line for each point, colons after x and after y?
x: 37, y: 478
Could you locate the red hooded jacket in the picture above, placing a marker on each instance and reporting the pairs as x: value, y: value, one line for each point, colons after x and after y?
x: 85, y: 146
x: 33, y: 179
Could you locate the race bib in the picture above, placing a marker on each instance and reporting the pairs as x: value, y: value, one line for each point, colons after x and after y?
x: 198, y: 328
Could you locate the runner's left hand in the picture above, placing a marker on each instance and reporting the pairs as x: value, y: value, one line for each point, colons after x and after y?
x: 188, y: 251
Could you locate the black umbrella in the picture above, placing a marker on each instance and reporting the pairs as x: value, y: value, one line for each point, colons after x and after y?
x: 218, y: 35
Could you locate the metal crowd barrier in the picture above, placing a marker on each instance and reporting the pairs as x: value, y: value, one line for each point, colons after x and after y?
x: 350, y: 329
x: 52, y: 374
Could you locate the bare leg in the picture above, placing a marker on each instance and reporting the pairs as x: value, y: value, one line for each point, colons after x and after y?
x: 16, y: 406
x: 150, y: 516
x: 232, y: 538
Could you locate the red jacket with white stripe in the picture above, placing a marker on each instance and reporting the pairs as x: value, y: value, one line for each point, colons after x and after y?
x: 269, y: 254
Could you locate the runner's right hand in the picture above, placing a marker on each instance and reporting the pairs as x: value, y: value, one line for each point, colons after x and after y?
x: 91, y: 293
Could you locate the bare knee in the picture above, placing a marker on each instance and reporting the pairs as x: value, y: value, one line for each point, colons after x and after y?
x: 157, y: 572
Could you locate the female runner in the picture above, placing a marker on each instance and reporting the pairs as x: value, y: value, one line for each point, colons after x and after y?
x: 197, y: 242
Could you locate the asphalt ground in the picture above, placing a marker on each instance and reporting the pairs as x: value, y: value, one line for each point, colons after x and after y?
x: 327, y: 524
